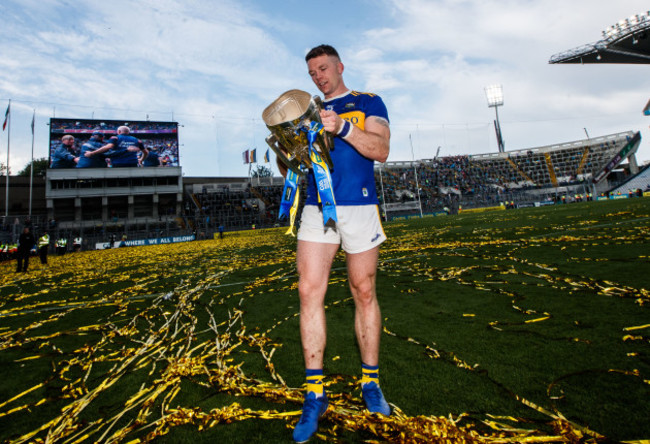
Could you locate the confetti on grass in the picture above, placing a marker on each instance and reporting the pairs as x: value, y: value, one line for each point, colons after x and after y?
x: 127, y: 332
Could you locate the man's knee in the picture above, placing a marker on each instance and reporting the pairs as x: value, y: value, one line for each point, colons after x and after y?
x: 311, y: 292
x: 364, y: 292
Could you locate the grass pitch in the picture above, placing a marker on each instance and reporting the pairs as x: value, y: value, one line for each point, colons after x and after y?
x: 506, y: 326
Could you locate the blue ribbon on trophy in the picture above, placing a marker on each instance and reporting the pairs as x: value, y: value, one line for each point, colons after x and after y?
x: 322, y: 177
x: 290, y: 200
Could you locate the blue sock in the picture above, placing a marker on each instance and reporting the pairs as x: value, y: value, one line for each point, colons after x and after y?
x: 315, y: 381
x: 369, y: 373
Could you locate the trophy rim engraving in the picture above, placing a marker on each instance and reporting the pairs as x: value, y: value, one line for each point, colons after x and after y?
x: 290, y: 106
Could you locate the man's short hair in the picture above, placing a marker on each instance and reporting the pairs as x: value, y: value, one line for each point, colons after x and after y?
x: 123, y: 130
x: 322, y: 50
x: 67, y: 137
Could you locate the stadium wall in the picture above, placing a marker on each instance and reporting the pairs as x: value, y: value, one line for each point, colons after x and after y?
x: 86, y: 197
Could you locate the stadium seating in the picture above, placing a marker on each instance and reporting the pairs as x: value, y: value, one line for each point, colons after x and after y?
x: 442, y: 184
x: 483, y: 180
x: 640, y: 181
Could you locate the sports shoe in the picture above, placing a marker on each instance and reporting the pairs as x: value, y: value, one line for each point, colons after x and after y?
x: 374, y: 399
x: 312, y: 410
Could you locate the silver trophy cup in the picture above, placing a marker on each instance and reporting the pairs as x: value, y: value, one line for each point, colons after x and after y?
x: 288, y: 118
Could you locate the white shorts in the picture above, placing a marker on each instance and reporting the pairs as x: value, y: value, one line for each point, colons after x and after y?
x: 358, y: 228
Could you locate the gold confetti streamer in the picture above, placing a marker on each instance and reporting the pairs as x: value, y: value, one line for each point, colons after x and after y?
x: 160, y: 328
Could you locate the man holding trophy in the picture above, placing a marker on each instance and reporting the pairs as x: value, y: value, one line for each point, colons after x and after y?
x: 359, y: 124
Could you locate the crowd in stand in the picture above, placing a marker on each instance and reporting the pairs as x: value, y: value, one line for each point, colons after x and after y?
x: 440, y: 184
x: 158, y: 127
x: 438, y: 178
x: 253, y: 206
x: 487, y: 180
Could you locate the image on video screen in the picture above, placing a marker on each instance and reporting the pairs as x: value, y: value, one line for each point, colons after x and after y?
x: 79, y: 143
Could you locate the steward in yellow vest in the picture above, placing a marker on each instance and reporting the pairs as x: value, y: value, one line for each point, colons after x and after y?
x: 43, y: 247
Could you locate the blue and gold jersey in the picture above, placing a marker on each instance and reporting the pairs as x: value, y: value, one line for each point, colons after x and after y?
x: 353, y: 177
x: 91, y: 162
x: 120, y: 154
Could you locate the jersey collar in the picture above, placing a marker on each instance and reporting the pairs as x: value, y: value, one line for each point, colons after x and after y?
x: 337, y: 97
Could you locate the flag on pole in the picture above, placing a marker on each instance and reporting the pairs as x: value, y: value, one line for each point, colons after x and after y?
x: 253, y: 157
x: 4, y: 125
x: 33, y: 119
x: 266, y: 157
x: 245, y: 156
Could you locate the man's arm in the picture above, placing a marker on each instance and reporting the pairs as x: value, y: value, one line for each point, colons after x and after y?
x: 372, y: 142
x: 62, y: 153
x: 101, y: 150
x: 72, y: 158
x: 282, y: 167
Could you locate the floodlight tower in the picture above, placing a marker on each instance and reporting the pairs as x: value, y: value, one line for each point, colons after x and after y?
x: 494, y: 94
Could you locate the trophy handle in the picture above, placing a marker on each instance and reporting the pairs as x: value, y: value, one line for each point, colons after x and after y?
x: 292, y: 163
x: 327, y: 136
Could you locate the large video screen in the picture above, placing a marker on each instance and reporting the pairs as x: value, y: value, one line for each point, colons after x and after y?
x: 78, y: 143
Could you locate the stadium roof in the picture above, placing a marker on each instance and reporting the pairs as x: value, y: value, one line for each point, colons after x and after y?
x: 628, y: 41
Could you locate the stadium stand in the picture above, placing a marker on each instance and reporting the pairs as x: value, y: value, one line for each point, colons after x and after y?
x: 491, y: 179
x: 640, y: 182
x: 113, y: 207
x: 624, y: 42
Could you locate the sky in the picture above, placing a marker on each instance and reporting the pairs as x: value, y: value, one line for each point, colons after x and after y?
x: 214, y: 65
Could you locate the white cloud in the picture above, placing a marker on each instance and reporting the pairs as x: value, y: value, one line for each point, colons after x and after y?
x: 437, y: 57
x: 216, y: 65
